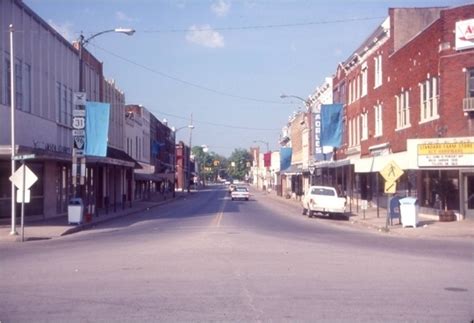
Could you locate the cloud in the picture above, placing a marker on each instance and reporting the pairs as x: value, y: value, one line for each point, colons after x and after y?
x: 205, y: 36
x: 65, y: 29
x: 123, y: 16
x: 221, y: 8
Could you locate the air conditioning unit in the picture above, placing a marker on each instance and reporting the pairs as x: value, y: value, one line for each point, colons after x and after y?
x: 468, y: 105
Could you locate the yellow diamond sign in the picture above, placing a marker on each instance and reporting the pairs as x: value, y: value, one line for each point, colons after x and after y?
x: 391, y: 172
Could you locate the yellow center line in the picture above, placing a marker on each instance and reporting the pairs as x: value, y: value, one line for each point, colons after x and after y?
x: 217, y: 220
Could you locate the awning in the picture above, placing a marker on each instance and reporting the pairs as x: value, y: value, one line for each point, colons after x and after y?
x: 293, y: 170
x: 377, y: 163
x: 332, y: 163
x: 154, y: 177
x: 114, y: 157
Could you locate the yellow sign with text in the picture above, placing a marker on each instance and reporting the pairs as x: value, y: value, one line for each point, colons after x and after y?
x: 456, y: 148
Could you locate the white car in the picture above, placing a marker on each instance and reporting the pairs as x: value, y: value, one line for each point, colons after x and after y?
x: 323, y: 200
x: 240, y: 193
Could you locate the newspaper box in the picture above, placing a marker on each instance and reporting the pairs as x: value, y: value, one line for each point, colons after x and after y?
x: 75, y: 211
x: 409, y: 211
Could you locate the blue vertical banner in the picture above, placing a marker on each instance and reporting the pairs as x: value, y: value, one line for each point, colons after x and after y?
x: 331, y: 125
x: 285, y: 157
x: 97, y: 128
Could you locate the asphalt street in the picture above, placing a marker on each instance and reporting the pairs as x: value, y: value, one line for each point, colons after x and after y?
x: 207, y: 258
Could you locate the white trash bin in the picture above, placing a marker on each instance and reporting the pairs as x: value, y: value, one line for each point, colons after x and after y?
x: 409, y: 211
x: 75, y: 211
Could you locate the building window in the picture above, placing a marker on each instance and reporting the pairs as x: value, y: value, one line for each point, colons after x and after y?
x: 378, y: 120
x: 357, y: 87
x: 6, y: 82
x: 18, y: 84
x: 69, y: 108
x: 27, y: 88
x: 470, y: 83
x: 403, y: 110
x: 365, y: 126
x: 364, y: 79
x: 429, y: 96
x: 378, y: 71
x: 350, y: 92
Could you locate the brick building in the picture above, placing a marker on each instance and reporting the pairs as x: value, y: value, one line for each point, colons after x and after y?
x: 408, y: 97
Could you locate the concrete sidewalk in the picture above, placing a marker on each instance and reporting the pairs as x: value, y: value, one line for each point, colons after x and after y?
x: 59, y: 226
x: 428, y: 227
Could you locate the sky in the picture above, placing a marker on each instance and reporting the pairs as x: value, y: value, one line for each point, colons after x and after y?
x: 223, y: 62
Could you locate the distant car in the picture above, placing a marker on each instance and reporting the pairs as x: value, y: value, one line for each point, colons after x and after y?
x: 227, y: 182
x: 240, y: 193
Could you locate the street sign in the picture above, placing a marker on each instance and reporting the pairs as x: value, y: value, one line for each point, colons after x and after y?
x: 312, y: 169
x: 78, y: 122
x: 79, y: 98
x: 390, y: 187
x: 17, y: 177
x: 364, y: 204
x: 23, y: 157
x: 76, y: 132
x: 78, y: 113
x: 19, y: 196
x: 391, y: 172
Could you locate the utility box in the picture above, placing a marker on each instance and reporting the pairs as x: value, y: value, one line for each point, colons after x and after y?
x: 409, y: 211
x: 75, y: 211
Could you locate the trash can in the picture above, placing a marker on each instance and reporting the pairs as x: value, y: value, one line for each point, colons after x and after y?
x: 409, y: 211
x: 75, y: 211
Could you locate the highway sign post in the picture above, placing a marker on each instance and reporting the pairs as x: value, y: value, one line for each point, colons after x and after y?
x: 391, y: 172
x: 23, y: 179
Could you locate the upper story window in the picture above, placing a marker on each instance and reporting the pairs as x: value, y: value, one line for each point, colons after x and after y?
x: 403, y: 109
x: 378, y: 71
x: 350, y: 92
x: 365, y: 126
x: 22, y: 84
x: 429, y: 96
x: 470, y: 83
x: 378, y: 131
x: 364, y: 79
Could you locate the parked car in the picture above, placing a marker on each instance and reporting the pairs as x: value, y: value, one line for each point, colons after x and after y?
x: 240, y: 193
x: 323, y: 200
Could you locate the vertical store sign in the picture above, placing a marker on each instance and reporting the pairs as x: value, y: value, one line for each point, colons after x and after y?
x: 318, y: 149
x: 78, y: 136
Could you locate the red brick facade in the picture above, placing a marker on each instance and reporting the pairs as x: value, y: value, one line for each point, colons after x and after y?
x: 420, y: 99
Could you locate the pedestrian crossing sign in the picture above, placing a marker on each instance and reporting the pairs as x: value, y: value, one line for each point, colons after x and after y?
x: 391, y: 172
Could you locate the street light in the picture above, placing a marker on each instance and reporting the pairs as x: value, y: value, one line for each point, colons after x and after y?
x: 309, y: 109
x: 264, y: 142
x: 82, y: 42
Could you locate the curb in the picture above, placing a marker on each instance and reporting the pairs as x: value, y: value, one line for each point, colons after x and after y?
x: 86, y: 226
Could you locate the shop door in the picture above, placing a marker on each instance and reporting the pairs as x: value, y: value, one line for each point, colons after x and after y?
x: 469, y: 195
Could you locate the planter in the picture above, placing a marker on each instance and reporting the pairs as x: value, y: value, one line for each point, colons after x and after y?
x: 447, y: 216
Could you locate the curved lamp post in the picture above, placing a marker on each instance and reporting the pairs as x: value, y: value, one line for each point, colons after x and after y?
x: 309, y: 109
x: 82, y: 42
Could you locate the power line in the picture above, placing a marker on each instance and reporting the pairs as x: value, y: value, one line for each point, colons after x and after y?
x: 256, y: 27
x: 217, y: 124
x: 174, y: 78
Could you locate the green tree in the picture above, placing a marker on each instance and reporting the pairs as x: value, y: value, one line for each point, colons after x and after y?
x: 209, y: 163
x: 239, y: 163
